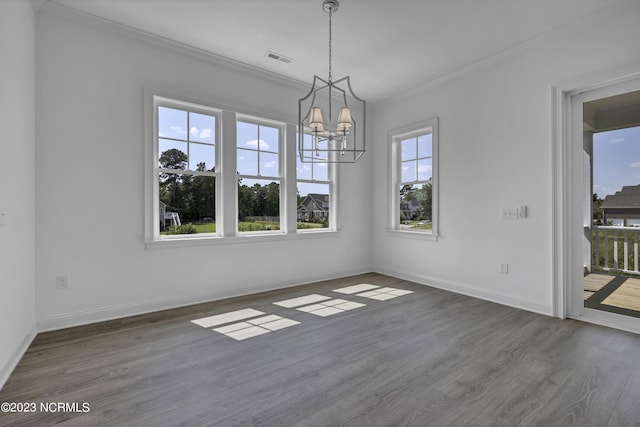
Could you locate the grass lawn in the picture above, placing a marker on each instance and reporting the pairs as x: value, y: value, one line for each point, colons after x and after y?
x: 246, y: 226
x: 414, y: 224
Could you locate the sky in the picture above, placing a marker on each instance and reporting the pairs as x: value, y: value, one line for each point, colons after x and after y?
x: 257, y: 152
x: 616, y: 160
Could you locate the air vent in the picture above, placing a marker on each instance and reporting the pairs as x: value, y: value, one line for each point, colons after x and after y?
x: 278, y: 57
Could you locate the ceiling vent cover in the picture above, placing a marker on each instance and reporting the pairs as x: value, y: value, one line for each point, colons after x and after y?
x: 278, y: 57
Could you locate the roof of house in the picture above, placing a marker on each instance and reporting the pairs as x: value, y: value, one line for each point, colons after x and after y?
x: 628, y: 197
x: 320, y: 201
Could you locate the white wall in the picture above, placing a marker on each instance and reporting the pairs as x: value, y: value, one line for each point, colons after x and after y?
x: 90, y: 180
x: 17, y: 182
x: 495, y: 151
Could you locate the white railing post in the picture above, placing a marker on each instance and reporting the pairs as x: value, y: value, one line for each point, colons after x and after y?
x: 635, y: 253
x: 596, y: 232
x: 616, y: 265
x: 625, y: 236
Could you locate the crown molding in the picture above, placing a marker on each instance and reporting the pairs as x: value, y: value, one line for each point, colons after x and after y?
x: 97, y: 23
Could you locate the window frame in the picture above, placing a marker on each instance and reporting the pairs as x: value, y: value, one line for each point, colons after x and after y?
x: 331, y: 179
x: 226, y: 198
x: 280, y: 178
x: 190, y: 107
x: 395, y: 138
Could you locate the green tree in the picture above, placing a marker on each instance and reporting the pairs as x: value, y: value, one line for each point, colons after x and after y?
x: 171, y: 191
x: 598, y: 217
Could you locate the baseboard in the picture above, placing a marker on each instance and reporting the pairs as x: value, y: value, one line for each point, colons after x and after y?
x: 471, y: 291
x: 102, y: 314
x: 13, y: 361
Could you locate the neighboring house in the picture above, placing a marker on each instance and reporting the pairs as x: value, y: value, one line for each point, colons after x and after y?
x: 410, y: 209
x: 624, y: 205
x: 168, y: 219
x: 314, y: 206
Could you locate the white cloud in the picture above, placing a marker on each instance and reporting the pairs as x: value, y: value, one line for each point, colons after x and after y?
x: 161, y: 135
x: 270, y: 165
x: 428, y: 168
x: 178, y: 129
x: 254, y: 143
x: 635, y: 165
x: 200, y: 133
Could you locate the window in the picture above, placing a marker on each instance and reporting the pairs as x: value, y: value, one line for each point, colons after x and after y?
x: 414, y: 179
x: 187, y: 174
x: 215, y: 176
x: 259, y: 177
x: 314, y: 193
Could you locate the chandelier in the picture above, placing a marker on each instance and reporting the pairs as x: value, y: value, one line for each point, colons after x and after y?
x: 341, y: 138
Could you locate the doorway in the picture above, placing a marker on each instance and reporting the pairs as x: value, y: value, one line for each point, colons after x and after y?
x: 605, y: 150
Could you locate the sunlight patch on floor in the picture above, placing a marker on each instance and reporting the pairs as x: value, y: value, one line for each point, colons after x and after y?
x: 232, y: 316
x: 297, y: 302
x: 328, y: 308
x: 384, y: 294
x: 354, y: 289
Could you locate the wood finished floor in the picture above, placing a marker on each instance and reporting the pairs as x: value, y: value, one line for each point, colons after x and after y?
x: 430, y: 358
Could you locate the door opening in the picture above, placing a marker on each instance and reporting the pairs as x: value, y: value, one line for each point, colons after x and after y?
x: 611, y: 203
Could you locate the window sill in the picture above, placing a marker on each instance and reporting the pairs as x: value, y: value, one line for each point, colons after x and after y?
x: 420, y: 235
x: 238, y: 239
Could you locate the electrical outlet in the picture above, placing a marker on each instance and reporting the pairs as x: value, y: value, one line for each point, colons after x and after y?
x: 62, y: 282
x: 509, y: 213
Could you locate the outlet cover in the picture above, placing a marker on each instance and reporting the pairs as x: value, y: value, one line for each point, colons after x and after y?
x: 504, y: 267
x: 62, y: 282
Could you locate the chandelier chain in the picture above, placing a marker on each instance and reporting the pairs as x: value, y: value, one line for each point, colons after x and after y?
x: 330, y: 65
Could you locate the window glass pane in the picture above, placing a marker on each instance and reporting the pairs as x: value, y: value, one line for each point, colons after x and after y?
x: 303, y: 170
x: 268, y: 164
x: 425, y: 169
x: 415, y: 207
x: 408, y: 149
x: 258, y: 205
x: 424, y: 146
x: 269, y: 138
x: 172, y: 154
x: 321, y: 171
x: 247, y: 162
x: 172, y: 123
x: 201, y: 157
x: 245, y: 133
x: 201, y: 128
x: 187, y: 204
x: 408, y: 170
x: 313, y: 205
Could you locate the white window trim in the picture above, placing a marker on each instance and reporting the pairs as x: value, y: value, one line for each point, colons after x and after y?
x: 395, y: 136
x: 226, y: 193
x: 332, y: 178
x: 280, y: 178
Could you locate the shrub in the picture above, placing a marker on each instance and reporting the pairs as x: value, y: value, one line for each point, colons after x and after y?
x: 182, y: 229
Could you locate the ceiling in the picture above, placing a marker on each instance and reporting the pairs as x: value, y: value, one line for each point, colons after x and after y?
x: 386, y: 47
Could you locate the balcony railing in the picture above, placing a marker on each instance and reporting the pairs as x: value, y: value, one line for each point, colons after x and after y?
x: 615, y: 249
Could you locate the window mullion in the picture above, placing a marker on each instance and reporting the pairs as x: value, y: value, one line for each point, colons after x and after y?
x: 289, y: 191
x: 228, y: 168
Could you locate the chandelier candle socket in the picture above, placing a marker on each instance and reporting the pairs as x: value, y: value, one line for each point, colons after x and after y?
x: 340, y: 139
